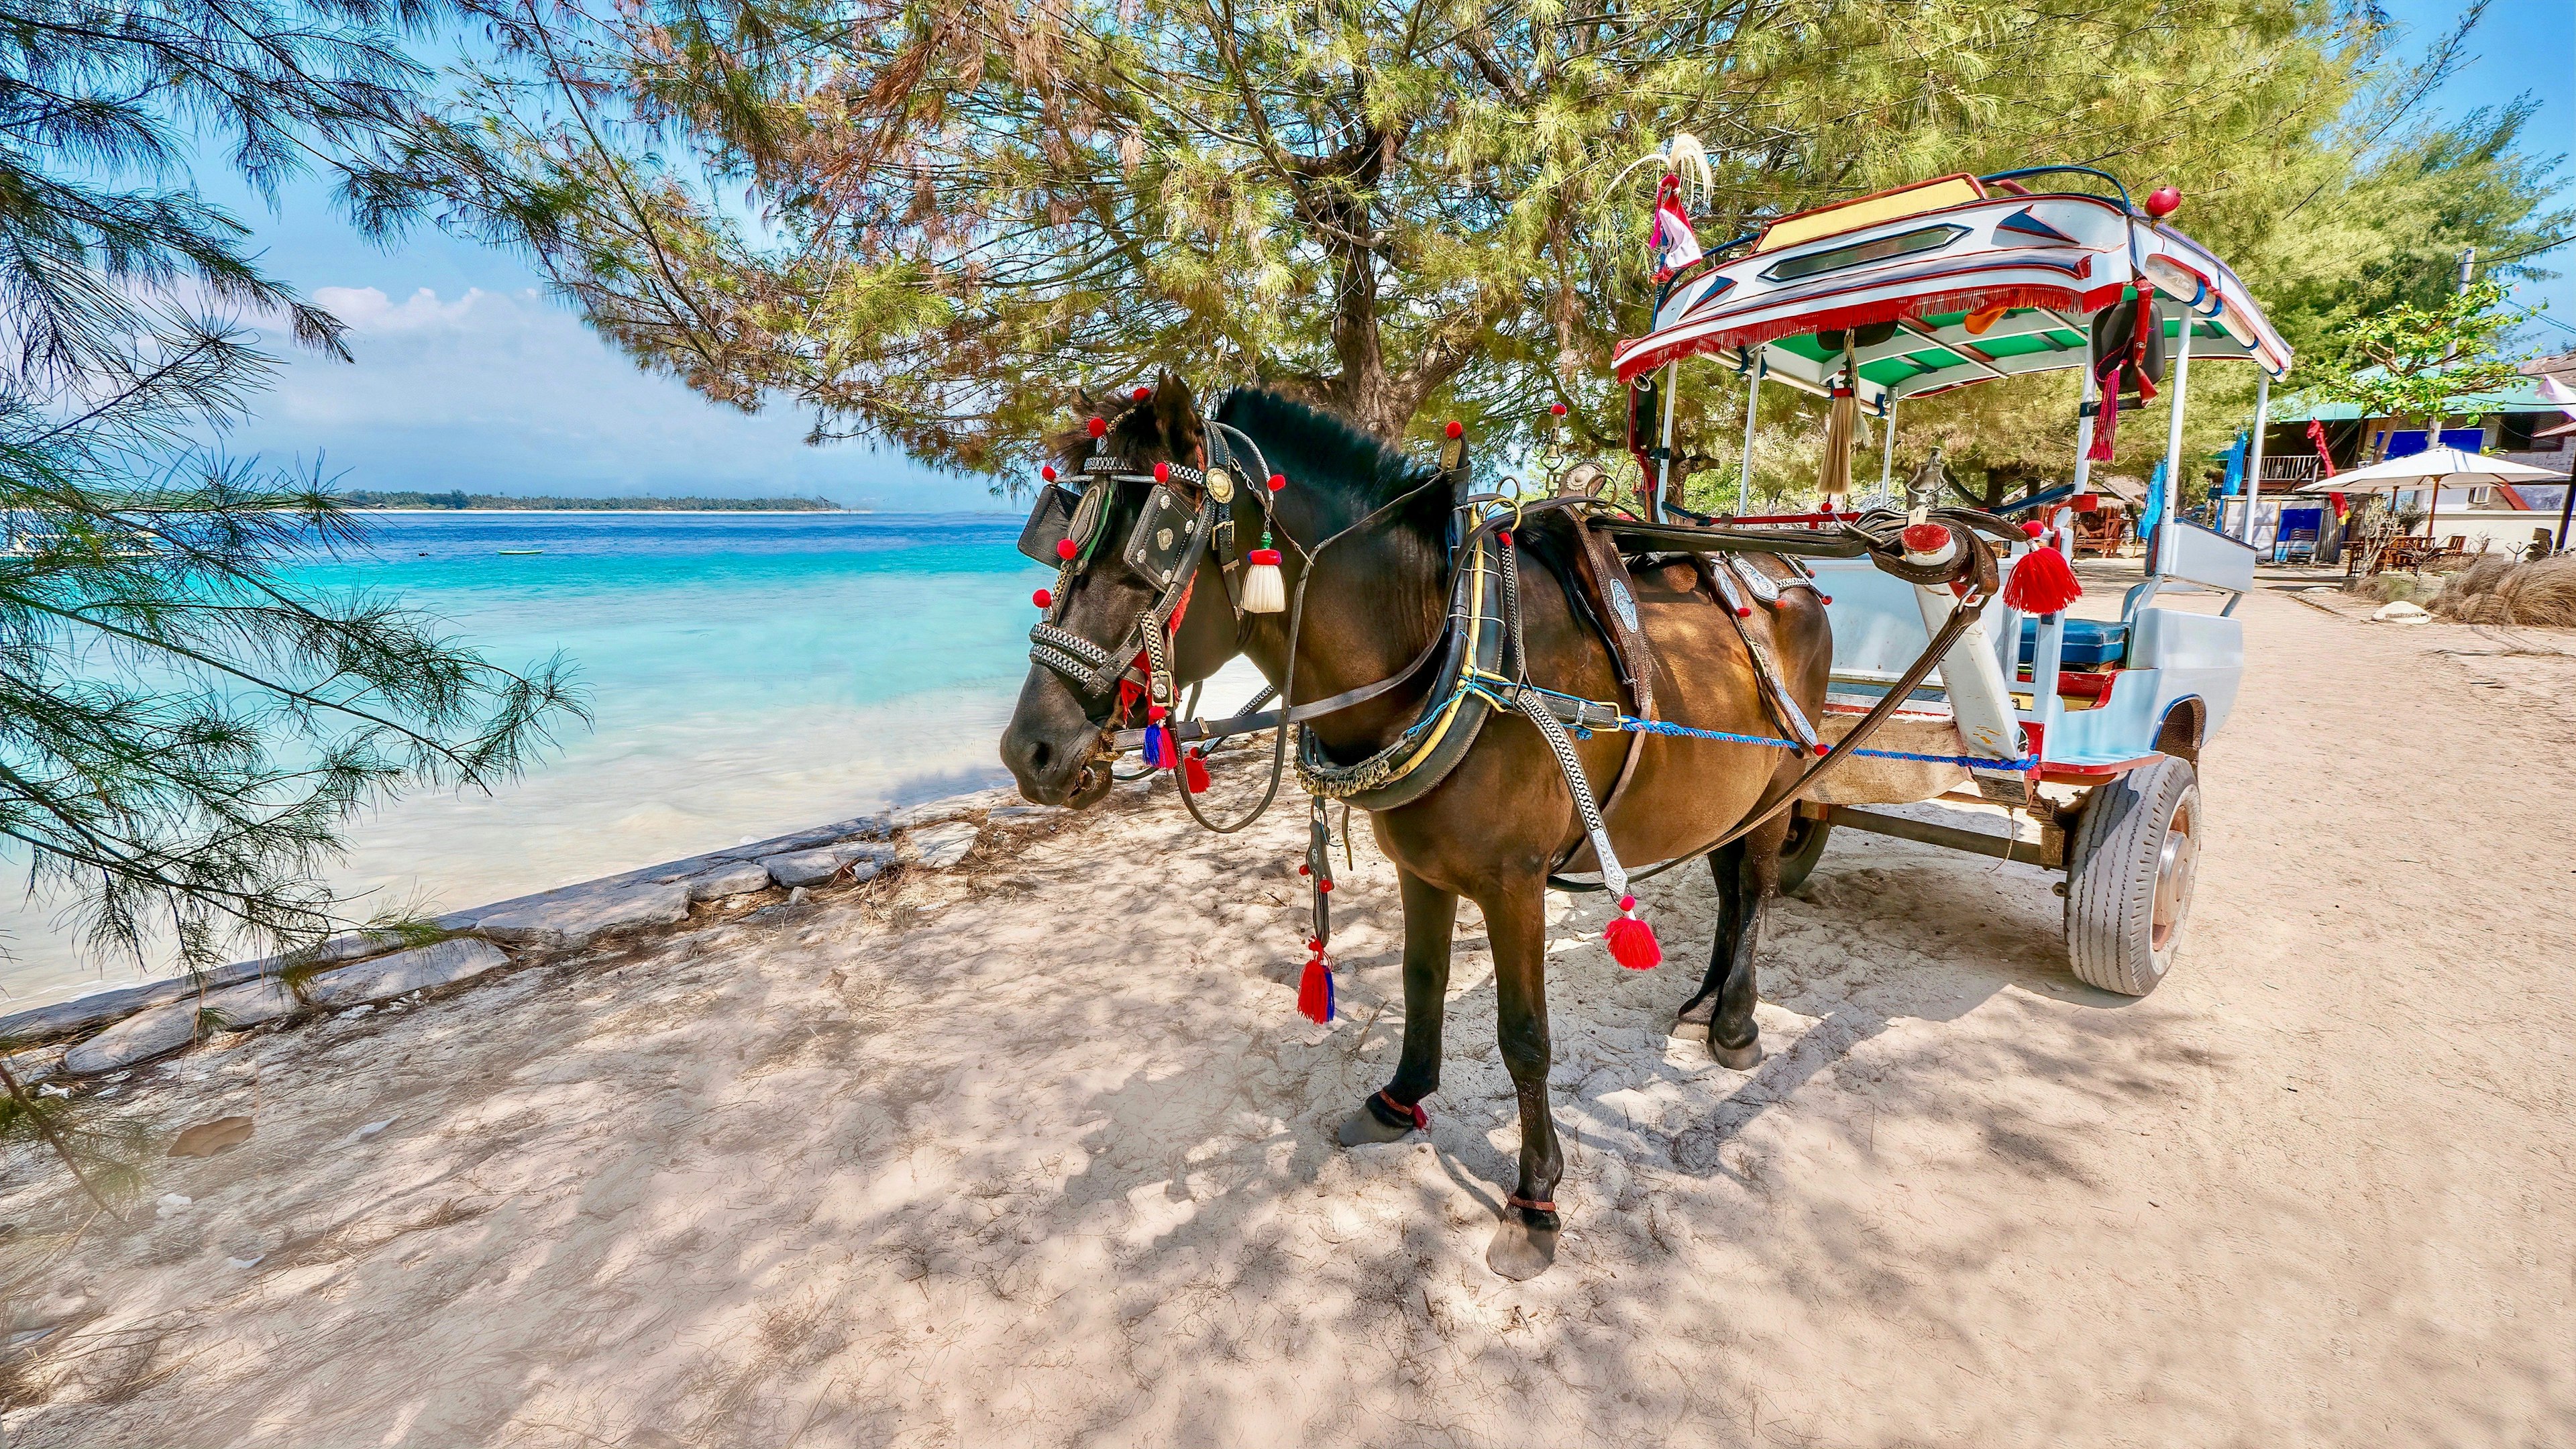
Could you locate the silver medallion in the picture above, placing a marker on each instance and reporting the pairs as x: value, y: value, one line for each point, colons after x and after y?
x: 1622, y: 605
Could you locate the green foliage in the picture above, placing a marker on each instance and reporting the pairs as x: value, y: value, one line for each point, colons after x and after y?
x: 952, y: 213
x: 2415, y: 361
x: 183, y: 733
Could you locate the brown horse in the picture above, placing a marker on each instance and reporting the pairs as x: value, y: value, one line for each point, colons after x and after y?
x: 1494, y: 826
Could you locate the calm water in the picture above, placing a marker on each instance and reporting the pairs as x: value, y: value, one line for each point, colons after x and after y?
x: 749, y: 674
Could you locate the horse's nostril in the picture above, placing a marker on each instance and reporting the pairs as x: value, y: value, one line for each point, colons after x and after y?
x: 1039, y: 754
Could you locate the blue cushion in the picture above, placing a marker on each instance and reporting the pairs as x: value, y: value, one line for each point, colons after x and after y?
x: 2090, y: 643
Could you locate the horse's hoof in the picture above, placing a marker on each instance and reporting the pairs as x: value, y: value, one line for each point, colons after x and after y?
x: 1743, y: 1059
x: 1363, y: 1127
x: 1519, y: 1251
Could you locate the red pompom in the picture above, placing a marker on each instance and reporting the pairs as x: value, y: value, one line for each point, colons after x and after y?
x: 1194, y: 775
x: 1278, y: 481
x: 1042, y: 599
x: 1925, y: 537
x: 1305, y: 869
x: 1097, y: 426
x: 2041, y: 583
x: 1268, y: 556
x: 1315, y: 991
x: 2033, y: 528
x: 1828, y: 598
x: 1326, y: 886
x: 1064, y: 548
x: 1454, y: 430
x: 1143, y: 393
x: 1557, y: 408
x: 1047, y: 472
x: 1744, y: 611
x: 2163, y: 202
x: 1627, y: 903
x: 1154, y: 713
x: 1162, y: 472
x: 1633, y: 944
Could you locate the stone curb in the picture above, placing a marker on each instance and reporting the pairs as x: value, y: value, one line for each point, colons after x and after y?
x: 136, y: 1023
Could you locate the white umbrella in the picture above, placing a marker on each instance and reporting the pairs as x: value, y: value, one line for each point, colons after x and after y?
x: 2429, y: 470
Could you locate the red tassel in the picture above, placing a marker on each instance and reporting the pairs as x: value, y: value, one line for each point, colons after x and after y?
x: 1194, y: 775
x: 2041, y: 583
x: 1632, y: 941
x: 1315, y: 991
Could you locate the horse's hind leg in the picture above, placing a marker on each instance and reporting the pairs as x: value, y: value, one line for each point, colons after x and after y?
x: 1525, y: 1244
x: 1747, y: 873
x: 1430, y: 920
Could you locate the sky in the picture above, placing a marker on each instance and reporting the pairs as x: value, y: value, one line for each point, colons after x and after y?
x: 468, y: 375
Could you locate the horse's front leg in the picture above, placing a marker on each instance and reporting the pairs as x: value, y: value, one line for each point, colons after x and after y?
x: 1430, y: 920
x: 1516, y: 917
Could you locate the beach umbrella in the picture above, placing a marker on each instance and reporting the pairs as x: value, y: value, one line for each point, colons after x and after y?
x: 2433, y: 468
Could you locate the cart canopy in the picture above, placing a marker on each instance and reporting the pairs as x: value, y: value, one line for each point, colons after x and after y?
x: 1980, y: 278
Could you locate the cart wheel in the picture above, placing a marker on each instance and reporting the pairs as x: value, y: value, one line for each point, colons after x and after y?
x: 1798, y: 857
x: 2128, y: 885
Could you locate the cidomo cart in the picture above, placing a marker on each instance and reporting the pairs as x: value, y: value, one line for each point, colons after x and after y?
x: 2094, y: 726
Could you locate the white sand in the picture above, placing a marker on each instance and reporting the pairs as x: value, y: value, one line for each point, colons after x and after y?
x: 1043, y: 1157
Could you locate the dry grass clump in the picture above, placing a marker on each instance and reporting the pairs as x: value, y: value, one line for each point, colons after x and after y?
x: 2496, y: 591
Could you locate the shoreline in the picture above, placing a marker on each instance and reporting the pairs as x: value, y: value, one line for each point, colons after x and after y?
x: 564, y: 918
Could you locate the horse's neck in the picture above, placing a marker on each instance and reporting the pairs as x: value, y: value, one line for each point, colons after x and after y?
x: 1376, y: 601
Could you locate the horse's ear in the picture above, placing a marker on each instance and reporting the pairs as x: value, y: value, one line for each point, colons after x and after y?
x: 1176, y: 412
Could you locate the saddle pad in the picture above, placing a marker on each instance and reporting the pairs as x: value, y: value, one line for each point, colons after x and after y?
x: 1616, y: 595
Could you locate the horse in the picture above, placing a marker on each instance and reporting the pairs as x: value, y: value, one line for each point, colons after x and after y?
x: 1503, y: 818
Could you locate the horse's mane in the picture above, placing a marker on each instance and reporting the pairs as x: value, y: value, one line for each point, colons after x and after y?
x: 1326, y: 453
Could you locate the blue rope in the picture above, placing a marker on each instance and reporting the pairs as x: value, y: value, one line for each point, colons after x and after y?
x: 1658, y: 727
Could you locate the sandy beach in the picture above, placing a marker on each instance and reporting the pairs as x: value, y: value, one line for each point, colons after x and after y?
x: 1037, y: 1151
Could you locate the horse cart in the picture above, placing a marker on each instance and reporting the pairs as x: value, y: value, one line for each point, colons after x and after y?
x: 2093, y: 726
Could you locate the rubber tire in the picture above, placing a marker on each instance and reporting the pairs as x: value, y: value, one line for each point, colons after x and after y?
x: 2111, y: 877
x: 1805, y: 847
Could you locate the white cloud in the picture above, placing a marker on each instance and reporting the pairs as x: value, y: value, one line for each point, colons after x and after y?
x: 504, y: 392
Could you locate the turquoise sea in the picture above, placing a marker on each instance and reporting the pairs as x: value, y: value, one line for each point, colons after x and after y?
x: 749, y: 674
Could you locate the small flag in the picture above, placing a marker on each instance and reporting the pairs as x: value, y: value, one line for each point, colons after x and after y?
x: 1675, y: 245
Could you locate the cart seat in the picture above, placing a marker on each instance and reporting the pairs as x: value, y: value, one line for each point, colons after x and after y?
x: 2090, y: 643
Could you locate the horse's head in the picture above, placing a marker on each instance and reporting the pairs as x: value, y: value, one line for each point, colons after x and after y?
x: 1131, y: 551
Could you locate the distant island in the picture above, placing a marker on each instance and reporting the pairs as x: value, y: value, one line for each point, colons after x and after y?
x: 364, y: 498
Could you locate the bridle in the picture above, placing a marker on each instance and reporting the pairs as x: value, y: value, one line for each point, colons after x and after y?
x: 1187, y: 512
x: 1171, y: 537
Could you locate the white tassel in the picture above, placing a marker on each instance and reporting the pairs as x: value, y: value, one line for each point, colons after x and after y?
x: 1263, y: 590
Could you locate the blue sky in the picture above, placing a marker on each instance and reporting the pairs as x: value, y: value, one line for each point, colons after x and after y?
x: 469, y: 376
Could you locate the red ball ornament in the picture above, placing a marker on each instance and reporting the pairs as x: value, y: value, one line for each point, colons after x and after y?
x: 1305, y: 870
x: 1047, y: 472
x: 1064, y: 548
x: 1042, y: 599
x: 1557, y: 408
x: 1268, y: 556
x: 1162, y: 472
x: 2163, y: 202
x: 1097, y: 426
x: 2033, y: 528
x: 1154, y: 713
x: 1454, y: 430
x: 1278, y: 481
x: 1627, y: 903
x: 1143, y: 393
x: 1325, y: 886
